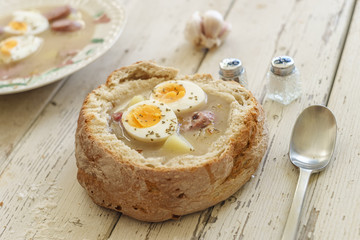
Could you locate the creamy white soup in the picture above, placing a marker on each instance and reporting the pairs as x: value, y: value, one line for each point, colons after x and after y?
x: 215, y: 114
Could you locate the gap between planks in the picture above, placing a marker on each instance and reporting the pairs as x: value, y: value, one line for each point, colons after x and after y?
x: 341, y: 51
x: 40, y: 111
x: 207, y: 50
x: 209, y: 210
x: 303, y: 234
x: 326, y: 98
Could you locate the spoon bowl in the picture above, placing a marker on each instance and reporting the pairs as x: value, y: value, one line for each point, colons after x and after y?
x: 313, y: 138
x: 311, y: 148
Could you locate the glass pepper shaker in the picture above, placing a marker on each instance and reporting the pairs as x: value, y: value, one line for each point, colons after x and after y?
x: 231, y: 69
x: 283, y: 80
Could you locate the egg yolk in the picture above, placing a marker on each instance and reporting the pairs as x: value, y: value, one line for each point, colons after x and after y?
x: 170, y: 92
x: 7, y: 46
x: 18, y: 26
x: 144, y: 116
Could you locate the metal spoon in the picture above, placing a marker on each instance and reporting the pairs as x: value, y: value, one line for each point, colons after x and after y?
x: 311, y: 148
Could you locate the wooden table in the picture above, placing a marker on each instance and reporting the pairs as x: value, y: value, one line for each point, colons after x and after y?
x: 40, y: 197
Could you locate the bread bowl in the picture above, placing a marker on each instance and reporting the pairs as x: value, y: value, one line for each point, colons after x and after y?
x: 119, y: 177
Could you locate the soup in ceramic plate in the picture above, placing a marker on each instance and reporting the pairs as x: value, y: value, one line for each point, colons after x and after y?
x: 58, y: 44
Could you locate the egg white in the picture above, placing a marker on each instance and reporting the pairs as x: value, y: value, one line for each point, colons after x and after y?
x: 193, y: 99
x: 166, y: 127
x: 26, y: 45
x: 35, y: 21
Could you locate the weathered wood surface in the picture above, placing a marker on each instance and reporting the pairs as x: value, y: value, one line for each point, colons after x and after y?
x: 18, y: 112
x: 334, y: 211
x: 38, y: 188
x: 40, y: 196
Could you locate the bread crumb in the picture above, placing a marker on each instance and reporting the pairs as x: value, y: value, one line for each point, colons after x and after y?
x: 1, y: 204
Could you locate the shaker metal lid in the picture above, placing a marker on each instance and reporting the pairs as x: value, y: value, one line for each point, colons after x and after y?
x: 230, y: 67
x: 282, y: 65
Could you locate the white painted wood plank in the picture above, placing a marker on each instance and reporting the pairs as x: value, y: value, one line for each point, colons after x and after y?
x: 313, y: 35
x: 179, y: 54
x: 333, y: 212
x: 67, y: 208
x: 18, y: 111
x: 38, y: 186
x: 40, y: 196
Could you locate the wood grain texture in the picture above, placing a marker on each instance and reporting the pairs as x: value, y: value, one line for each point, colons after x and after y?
x: 41, y: 198
x: 332, y: 212
x: 40, y: 181
x: 18, y: 112
x: 314, y: 36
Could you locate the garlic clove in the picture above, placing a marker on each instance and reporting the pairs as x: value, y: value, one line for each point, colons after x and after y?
x: 208, y: 30
x: 193, y: 29
x: 209, y: 42
x: 225, y: 31
x: 213, y: 23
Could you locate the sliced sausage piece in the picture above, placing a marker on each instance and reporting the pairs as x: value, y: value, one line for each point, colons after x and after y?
x: 68, y: 53
x: 117, y: 116
x: 9, y: 72
x: 198, y: 120
x: 66, y: 25
x: 103, y: 19
x: 58, y: 13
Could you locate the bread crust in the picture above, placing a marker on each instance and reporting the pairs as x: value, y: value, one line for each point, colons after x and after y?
x: 117, y: 177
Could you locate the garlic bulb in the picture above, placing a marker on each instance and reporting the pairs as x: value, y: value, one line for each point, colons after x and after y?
x: 207, y: 30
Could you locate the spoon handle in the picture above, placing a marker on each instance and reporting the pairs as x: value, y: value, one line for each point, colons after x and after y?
x: 292, y: 222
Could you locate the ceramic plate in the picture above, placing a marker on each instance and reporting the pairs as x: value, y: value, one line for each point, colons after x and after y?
x: 104, y: 37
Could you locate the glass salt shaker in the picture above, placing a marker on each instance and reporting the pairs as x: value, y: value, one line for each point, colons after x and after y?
x: 283, y: 80
x: 231, y: 69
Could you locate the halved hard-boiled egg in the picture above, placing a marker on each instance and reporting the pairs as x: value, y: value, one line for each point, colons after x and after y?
x: 16, y: 48
x: 27, y: 23
x: 150, y: 121
x: 180, y: 96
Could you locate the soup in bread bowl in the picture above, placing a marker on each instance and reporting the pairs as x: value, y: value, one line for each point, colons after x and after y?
x: 156, y: 145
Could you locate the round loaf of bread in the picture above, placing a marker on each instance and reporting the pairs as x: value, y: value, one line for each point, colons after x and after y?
x: 118, y: 177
